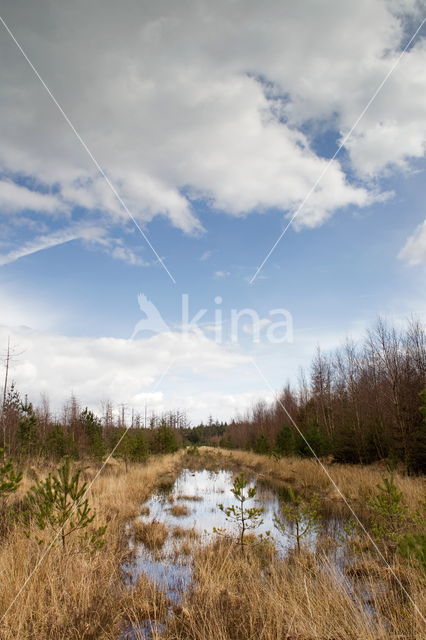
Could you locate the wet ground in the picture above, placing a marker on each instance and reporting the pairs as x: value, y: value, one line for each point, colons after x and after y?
x: 200, y: 492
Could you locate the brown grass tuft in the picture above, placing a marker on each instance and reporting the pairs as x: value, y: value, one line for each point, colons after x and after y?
x: 144, y: 510
x: 181, y: 532
x: 152, y: 534
x: 179, y: 510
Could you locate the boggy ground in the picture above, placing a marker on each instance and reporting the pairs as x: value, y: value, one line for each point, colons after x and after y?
x: 80, y: 595
x: 234, y: 596
x: 260, y: 595
x: 356, y: 482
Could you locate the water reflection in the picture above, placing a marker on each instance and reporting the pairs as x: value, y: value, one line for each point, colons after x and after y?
x: 200, y: 492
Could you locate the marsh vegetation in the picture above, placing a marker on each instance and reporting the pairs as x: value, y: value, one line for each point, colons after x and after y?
x: 309, y: 567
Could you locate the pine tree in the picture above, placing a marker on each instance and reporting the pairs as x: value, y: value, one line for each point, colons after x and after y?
x: 59, y: 502
x: 300, y: 516
x: 245, y: 518
x: 27, y: 430
x: 10, y: 478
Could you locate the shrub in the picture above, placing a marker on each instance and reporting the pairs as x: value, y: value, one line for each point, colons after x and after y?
x: 10, y: 478
x: 245, y: 518
x: 303, y: 516
x: 317, y: 440
x: 412, y: 546
x: 193, y: 450
x: 59, y: 502
x: 389, y: 515
x: 285, y: 442
x: 261, y: 445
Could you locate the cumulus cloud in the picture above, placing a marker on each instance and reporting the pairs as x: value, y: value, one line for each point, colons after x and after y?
x: 14, y: 197
x: 414, y: 250
x: 219, y: 102
x: 122, y: 370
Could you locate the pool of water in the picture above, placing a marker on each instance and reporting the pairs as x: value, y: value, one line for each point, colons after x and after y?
x: 201, y: 492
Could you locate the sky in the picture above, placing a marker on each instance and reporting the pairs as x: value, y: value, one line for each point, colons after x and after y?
x: 195, y: 195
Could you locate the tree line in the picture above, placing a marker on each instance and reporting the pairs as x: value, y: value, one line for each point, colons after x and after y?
x: 364, y: 402
x: 34, y: 431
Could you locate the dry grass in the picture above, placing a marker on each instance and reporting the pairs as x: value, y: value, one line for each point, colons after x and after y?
x: 179, y: 510
x: 355, y: 482
x: 146, y: 601
x: 190, y: 498
x: 144, y: 510
x: 184, y: 548
x: 81, y: 596
x: 181, y: 532
x: 76, y: 595
x: 245, y: 597
x: 152, y: 534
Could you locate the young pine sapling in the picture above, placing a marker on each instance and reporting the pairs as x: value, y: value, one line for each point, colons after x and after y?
x: 298, y: 516
x: 10, y: 478
x: 59, y: 502
x: 389, y: 515
x: 245, y: 518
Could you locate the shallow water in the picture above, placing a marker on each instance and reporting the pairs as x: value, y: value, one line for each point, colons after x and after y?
x: 201, y: 492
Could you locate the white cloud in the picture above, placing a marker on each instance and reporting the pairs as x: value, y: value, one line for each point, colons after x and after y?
x: 222, y: 406
x: 221, y: 274
x: 14, y: 197
x: 206, y: 255
x: 48, y: 241
x: 414, y: 250
x: 186, y: 101
x: 122, y: 370
x: 167, y: 370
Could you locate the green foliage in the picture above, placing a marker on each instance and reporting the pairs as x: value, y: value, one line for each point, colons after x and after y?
x: 138, y: 446
x: 317, y: 440
x: 193, y: 450
x: 59, y: 502
x: 412, y: 546
x: 58, y: 444
x: 10, y: 478
x: 133, y: 446
x: 245, y: 518
x: 225, y: 442
x: 285, y: 443
x: 299, y: 516
x: 262, y: 445
x: 389, y: 514
x: 165, y: 440
x: 27, y: 429
x: 93, y: 431
x: 13, y: 403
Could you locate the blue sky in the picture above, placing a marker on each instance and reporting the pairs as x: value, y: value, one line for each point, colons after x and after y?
x: 212, y: 162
